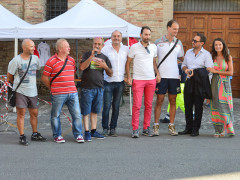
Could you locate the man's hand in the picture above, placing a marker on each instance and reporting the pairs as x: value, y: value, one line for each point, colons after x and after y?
x: 189, y: 72
x: 158, y: 78
x: 101, y: 64
x: 129, y: 81
x: 211, y: 70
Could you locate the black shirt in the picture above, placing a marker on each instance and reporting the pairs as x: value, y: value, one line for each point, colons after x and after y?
x: 92, y: 77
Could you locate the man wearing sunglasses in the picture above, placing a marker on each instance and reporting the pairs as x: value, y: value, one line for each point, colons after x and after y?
x: 144, y: 56
x: 195, y: 58
x: 169, y: 73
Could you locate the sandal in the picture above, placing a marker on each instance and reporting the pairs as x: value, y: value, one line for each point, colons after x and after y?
x: 216, y: 135
x: 222, y: 134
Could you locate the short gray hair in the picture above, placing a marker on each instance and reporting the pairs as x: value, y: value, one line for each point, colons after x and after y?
x: 59, y: 43
x: 24, y: 42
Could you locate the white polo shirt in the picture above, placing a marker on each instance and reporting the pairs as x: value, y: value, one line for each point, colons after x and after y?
x: 143, y: 61
x: 169, y: 68
x: 118, y: 61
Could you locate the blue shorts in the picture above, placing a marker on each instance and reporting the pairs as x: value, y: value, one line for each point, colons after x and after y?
x: 91, y: 100
x: 170, y: 85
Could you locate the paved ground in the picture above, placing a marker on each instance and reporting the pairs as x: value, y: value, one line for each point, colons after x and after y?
x: 163, y: 157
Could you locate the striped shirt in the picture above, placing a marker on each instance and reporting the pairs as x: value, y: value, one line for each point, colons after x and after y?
x: 64, y: 82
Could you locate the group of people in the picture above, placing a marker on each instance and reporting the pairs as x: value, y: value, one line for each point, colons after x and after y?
x: 155, y: 70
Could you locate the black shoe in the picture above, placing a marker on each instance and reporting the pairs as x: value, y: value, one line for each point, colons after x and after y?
x: 165, y: 120
x: 23, y: 140
x: 37, y: 137
x: 185, y: 132
x: 194, y: 133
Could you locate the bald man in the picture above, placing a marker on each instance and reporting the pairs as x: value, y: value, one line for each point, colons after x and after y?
x: 26, y: 94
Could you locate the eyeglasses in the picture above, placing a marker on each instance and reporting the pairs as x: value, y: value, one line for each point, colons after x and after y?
x: 147, y: 50
x: 195, y: 41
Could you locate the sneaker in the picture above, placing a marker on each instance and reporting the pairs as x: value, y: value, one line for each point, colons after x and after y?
x: 80, y: 139
x: 113, y: 133
x: 97, y: 135
x: 105, y: 132
x: 59, y: 139
x: 23, y: 140
x: 147, y: 132
x: 172, y: 131
x: 156, y: 130
x: 135, y: 134
x: 88, y: 137
x: 37, y: 137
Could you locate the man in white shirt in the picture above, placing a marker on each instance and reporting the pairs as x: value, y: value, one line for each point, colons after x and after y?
x: 113, y: 86
x: 144, y: 69
x: 195, y: 58
x: 169, y: 73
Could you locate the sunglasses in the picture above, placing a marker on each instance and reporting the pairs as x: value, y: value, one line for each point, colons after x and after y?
x: 195, y: 41
x: 147, y: 50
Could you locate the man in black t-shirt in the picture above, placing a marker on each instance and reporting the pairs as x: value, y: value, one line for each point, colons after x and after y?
x: 93, y: 64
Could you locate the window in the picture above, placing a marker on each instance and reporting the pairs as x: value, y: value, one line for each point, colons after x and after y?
x: 55, y: 8
x: 207, y: 5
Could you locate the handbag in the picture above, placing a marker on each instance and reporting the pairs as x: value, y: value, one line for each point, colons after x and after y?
x: 12, y: 99
x: 59, y: 71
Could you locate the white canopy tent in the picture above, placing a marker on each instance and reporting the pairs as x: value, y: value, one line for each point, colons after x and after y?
x: 9, y: 24
x: 85, y: 20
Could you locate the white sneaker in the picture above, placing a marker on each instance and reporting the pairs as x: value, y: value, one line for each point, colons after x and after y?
x: 156, y: 130
x: 172, y: 131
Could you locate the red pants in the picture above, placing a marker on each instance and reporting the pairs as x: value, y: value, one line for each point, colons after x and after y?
x: 148, y: 87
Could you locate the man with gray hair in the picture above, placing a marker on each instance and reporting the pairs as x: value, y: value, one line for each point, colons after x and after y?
x: 93, y: 65
x: 58, y: 76
x: 26, y: 93
x: 113, y: 86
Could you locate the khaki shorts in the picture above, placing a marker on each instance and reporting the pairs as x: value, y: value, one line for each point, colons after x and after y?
x: 23, y: 101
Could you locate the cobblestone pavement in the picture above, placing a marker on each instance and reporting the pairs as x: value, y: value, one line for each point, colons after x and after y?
x: 124, y: 122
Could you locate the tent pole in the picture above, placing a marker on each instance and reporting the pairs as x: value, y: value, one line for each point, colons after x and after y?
x: 77, y: 59
x: 15, y: 47
x: 130, y: 88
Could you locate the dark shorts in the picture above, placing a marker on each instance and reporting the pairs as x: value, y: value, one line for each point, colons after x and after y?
x: 172, y: 86
x: 91, y: 100
x: 23, y: 101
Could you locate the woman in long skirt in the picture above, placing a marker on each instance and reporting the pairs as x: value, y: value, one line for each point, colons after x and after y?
x: 221, y: 103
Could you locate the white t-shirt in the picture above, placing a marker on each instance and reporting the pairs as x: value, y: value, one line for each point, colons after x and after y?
x: 169, y: 68
x: 143, y: 61
x: 44, y: 53
x: 18, y: 67
x: 118, y: 61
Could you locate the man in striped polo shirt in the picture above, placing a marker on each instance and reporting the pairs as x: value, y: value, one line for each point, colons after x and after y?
x: 63, y: 91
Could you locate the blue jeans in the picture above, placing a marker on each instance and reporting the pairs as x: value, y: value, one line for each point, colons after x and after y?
x: 72, y: 102
x: 112, y: 96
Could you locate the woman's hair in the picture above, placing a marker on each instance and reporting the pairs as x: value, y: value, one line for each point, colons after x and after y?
x: 225, y: 50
